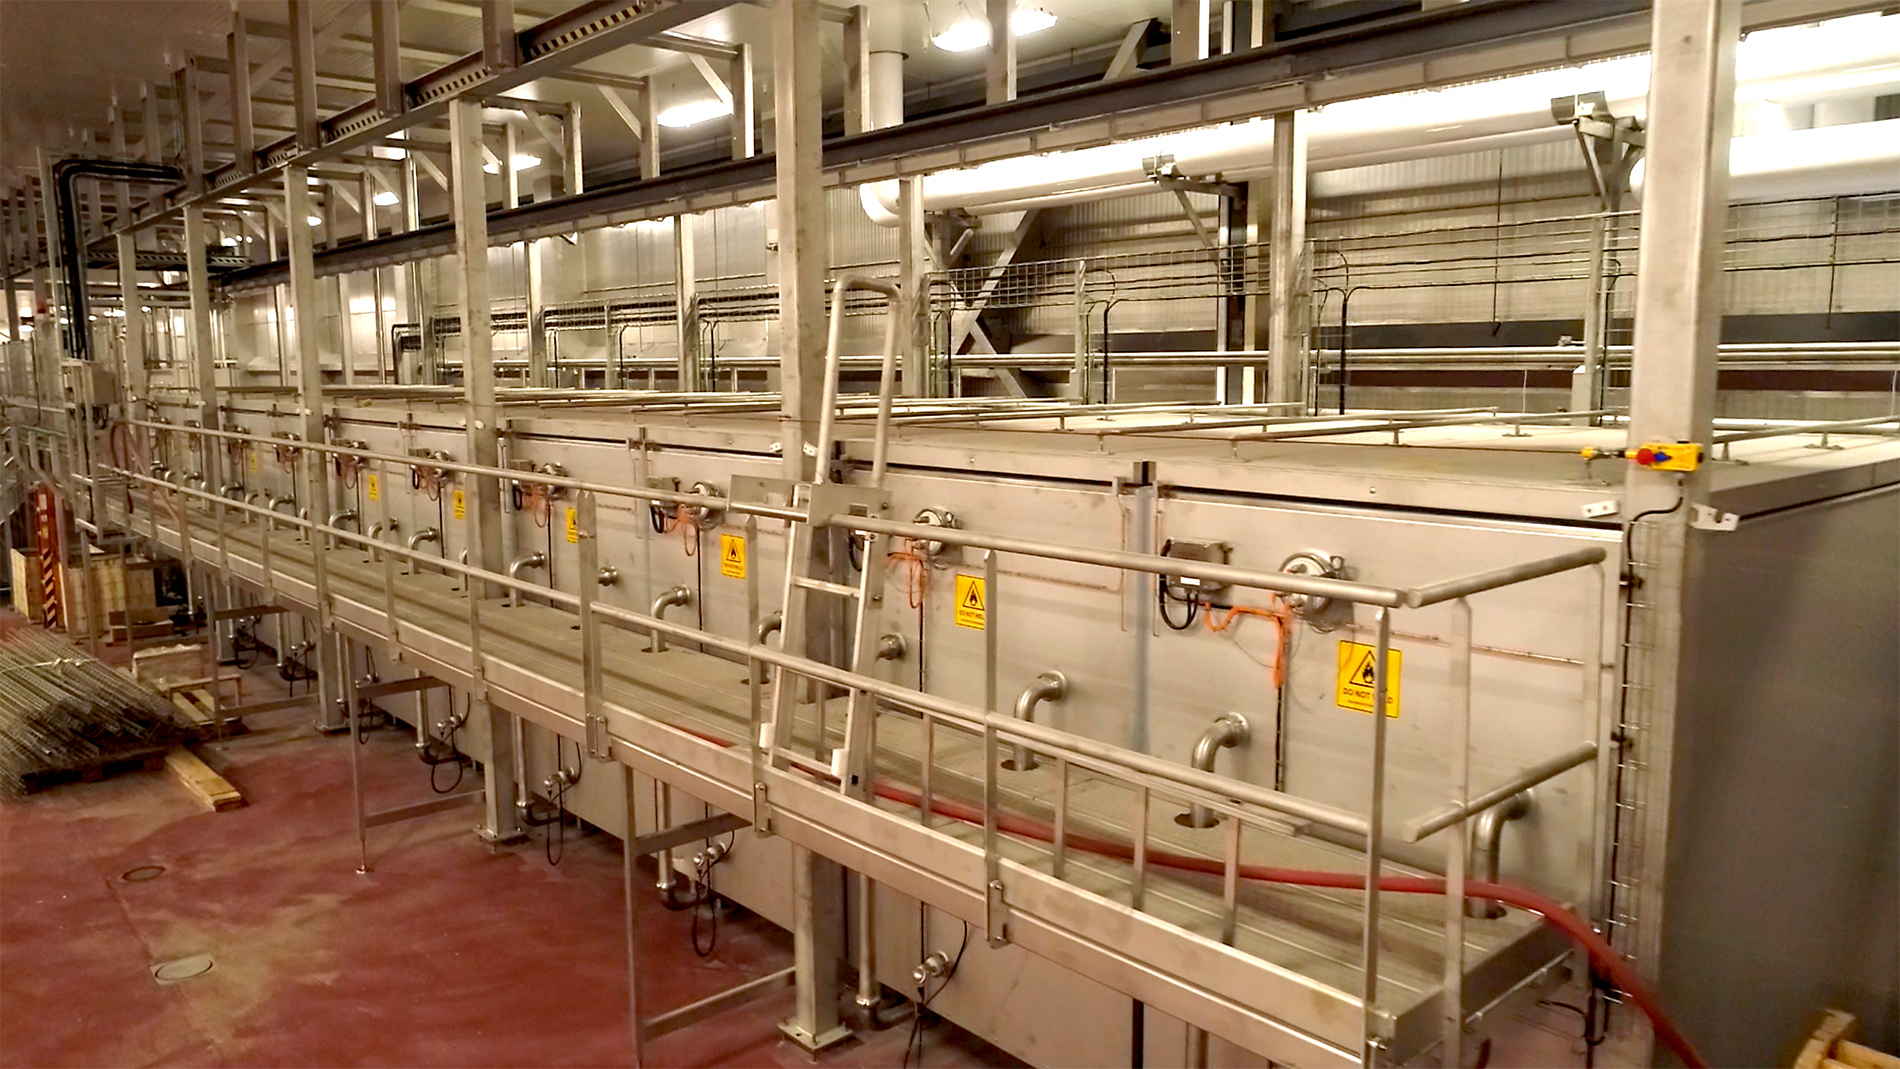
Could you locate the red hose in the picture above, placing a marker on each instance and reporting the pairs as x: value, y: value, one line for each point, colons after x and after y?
x: 1618, y: 968
x: 1600, y: 952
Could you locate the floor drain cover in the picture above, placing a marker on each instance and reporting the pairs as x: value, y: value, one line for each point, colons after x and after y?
x: 142, y: 873
x: 172, y: 972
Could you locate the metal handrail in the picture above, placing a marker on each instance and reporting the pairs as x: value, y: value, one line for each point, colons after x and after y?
x: 1275, y: 582
x: 1209, y: 786
x: 1445, y: 817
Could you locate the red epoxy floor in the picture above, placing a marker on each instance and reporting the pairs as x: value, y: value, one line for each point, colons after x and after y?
x: 449, y: 953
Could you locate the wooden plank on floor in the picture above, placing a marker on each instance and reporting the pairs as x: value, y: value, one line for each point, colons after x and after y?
x: 204, y: 783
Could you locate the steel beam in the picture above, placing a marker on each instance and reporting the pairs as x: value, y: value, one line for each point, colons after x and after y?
x: 303, y: 76
x: 243, y: 132
x: 385, y: 32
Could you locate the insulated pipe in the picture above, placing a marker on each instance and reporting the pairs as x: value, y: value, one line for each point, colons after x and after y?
x: 1048, y: 687
x: 767, y: 625
x: 1487, y: 833
x: 679, y: 595
x: 530, y: 560
x: 1229, y: 730
x: 1847, y: 58
x: 71, y: 255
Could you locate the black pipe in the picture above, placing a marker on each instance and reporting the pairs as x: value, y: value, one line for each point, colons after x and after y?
x: 71, y: 256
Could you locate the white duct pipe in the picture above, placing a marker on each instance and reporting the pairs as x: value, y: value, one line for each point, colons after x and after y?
x: 1851, y: 57
x: 1828, y: 161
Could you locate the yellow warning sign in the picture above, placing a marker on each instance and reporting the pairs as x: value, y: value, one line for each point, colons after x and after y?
x: 375, y: 488
x: 573, y: 526
x: 972, y: 602
x: 461, y: 506
x: 253, y: 454
x: 1354, y: 688
x: 732, y: 556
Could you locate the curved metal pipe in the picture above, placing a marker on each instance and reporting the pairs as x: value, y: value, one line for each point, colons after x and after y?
x: 340, y: 515
x: 392, y: 525
x: 231, y: 488
x: 279, y: 502
x: 609, y: 575
x: 1050, y: 686
x: 767, y: 625
x: 1231, y: 729
x: 427, y: 534
x: 679, y: 595
x: 892, y: 647
x: 1487, y: 833
x: 529, y: 560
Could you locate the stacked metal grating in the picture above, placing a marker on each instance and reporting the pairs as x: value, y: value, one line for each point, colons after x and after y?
x: 62, y: 711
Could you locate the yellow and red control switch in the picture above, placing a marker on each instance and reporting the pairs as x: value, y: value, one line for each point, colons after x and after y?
x: 1656, y: 456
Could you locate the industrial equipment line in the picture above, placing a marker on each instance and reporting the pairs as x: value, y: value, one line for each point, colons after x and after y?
x: 991, y: 725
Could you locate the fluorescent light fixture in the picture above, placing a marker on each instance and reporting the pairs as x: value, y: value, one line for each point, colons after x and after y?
x: 1028, y: 20
x: 386, y: 198
x: 963, y: 36
x: 315, y: 220
x: 683, y: 115
x: 972, y: 34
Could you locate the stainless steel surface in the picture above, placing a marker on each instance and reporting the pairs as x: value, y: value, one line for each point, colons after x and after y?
x: 1047, y: 687
x: 1487, y: 839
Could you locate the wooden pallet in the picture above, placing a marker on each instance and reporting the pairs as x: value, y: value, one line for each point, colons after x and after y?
x: 149, y: 759
x: 1828, y: 1048
x: 202, y: 781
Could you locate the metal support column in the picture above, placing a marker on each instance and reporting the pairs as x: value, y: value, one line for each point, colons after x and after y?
x: 469, y: 189
x: 999, y: 74
x: 1672, y: 398
x: 913, y: 265
x: 243, y: 132
x: 1287, y: 266
x: 817, y: 886
x: 310, y: 405
x: 686, y: 298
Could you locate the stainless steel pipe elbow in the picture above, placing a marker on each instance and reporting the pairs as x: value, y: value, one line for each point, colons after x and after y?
x: 1231, y: 729
x: 527, y: 560
x: 1050, y: 686
x: 1487, y: 834
x: 679, y: 595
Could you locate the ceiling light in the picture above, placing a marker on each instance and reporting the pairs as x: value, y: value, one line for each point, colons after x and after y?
x: 1028, y: 20
x: 971, y: 34
x: 386, y: 198
x: 683, y: 115
x: 963, y: 37
x: 523, y: 162
x: 315, y: 220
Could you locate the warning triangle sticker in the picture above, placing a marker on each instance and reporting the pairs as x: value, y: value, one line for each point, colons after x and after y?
x: 733, y: 553
x: 1362, y: 674
x: 973, y: 597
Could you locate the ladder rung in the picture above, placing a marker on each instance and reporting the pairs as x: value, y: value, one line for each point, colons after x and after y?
x: 830, y: 588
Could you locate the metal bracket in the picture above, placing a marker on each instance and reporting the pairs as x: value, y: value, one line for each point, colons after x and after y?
x: 1704, y: 518
x: 995, y: 914
x: 761, y: 811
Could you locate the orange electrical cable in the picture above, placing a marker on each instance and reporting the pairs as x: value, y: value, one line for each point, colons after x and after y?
x: 1282, y: 618
x: 917, y: 583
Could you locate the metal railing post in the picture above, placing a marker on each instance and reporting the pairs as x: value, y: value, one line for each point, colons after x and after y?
x: 1375, y: 837
x: 1458, y: 739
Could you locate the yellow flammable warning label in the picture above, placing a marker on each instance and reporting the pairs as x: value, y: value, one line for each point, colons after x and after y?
x: 972, y: 602
x: 573, y: 526
x: 1353, y: 689
x: 461, y: 506
x: 732, y: 556
x: 375, y: 488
